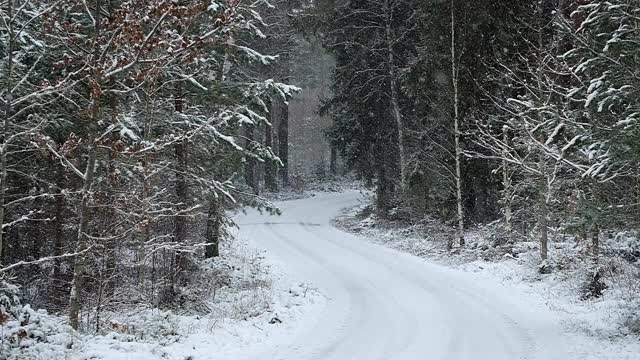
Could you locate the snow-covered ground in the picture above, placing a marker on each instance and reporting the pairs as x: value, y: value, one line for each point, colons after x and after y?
x: 259, y: 304
x: 332, y: 295
x: 590, y: 329
x: 314, y: 187
x: 387, y: 304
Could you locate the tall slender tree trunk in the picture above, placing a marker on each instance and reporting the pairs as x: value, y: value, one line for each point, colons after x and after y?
x: 393, y: 93
x: 145, y: 234
x: 145, y: 217
x: 83, y: 240
x: 180, y: 223
x: 58, y: 236
x: 283, y: 142
x: 214, y: 224
x: 456, y: 124
x: 333, y: 147
x: 113, y: 244
x: 250, y: 177
x: 543, y: 212
x: 544, y: 184
x: 595, y: 241
x: 38, y: 235
x: 506, y: 185
x: 5, y: 124
x: 87, y: 183
x: 333, y: 162
x: 382, y: 191
x: 382, y: 166
x: 269, y: 165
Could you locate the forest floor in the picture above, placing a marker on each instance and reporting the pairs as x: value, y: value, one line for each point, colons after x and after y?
x: 607, y: 327
x: 251, y: 301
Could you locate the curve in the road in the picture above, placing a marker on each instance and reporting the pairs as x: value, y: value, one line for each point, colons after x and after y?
x: 386, y: 305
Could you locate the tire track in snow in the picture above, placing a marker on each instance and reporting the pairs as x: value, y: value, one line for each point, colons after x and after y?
x: 527, y: 346
x: 386, y: 305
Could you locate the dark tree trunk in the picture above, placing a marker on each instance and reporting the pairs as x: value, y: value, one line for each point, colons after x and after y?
x: 333, y: 162
x: 283, y: 142
x: 180, y: 222
x: 214, y: 223
x: 250, y: 177
x: 480, y: 198
x: 269, y: 166
x: 5, y: 127
x: 384, y: 189
x: 38, y: 236
x: 382, y: 192
x: 542, y: 219
x: 595, y: 242
x: 57, y: 282
x: 79, y: 265
x: 112, y: 182
x: 369, y: 172
x: 179, y: 230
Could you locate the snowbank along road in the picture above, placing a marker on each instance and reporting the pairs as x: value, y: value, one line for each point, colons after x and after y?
x: 385, y: 305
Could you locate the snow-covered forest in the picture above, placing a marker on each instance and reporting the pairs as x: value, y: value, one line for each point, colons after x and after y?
x: 190, y: 179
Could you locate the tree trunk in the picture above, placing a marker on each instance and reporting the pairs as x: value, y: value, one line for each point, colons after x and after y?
x: 506, y: 185
x: 145, y: 233
x: 87, y: 183
x: 456, y: 123
x: 180, y: 220
x: 394, y: 102
x: 38, y: 235
x: 250, y: 177
x: 382, y: 190
x: 544, y: 185
x: 113, y: 243
x: 481, y: 209
x: 283, y: 142
x: 180, y: 225
x: 595, y: 242
x: 269, y: 165
x: 383, y: 166
x: 214, y: 224
x: 83, y: 241
x: 58, y: 237
x: 333, y: 162
x: 5, y: 124
x: 542, y: 219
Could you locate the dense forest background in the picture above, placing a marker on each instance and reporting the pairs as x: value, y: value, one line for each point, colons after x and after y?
x: 131, y: 129
x: 520, y: 112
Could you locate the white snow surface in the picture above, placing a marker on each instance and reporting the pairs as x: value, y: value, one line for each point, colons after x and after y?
x: 340, y: 297
x: 385, y: 304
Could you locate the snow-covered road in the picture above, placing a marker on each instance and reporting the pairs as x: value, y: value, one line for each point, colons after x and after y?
x: 383, y: 304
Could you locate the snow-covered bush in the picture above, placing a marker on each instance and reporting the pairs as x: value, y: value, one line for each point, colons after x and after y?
x: 631, y: 318
x: 34, y: 335
x: 27, y: 334
x: 633, y: 243
x: 9, y: 301
x: 162, y: 326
